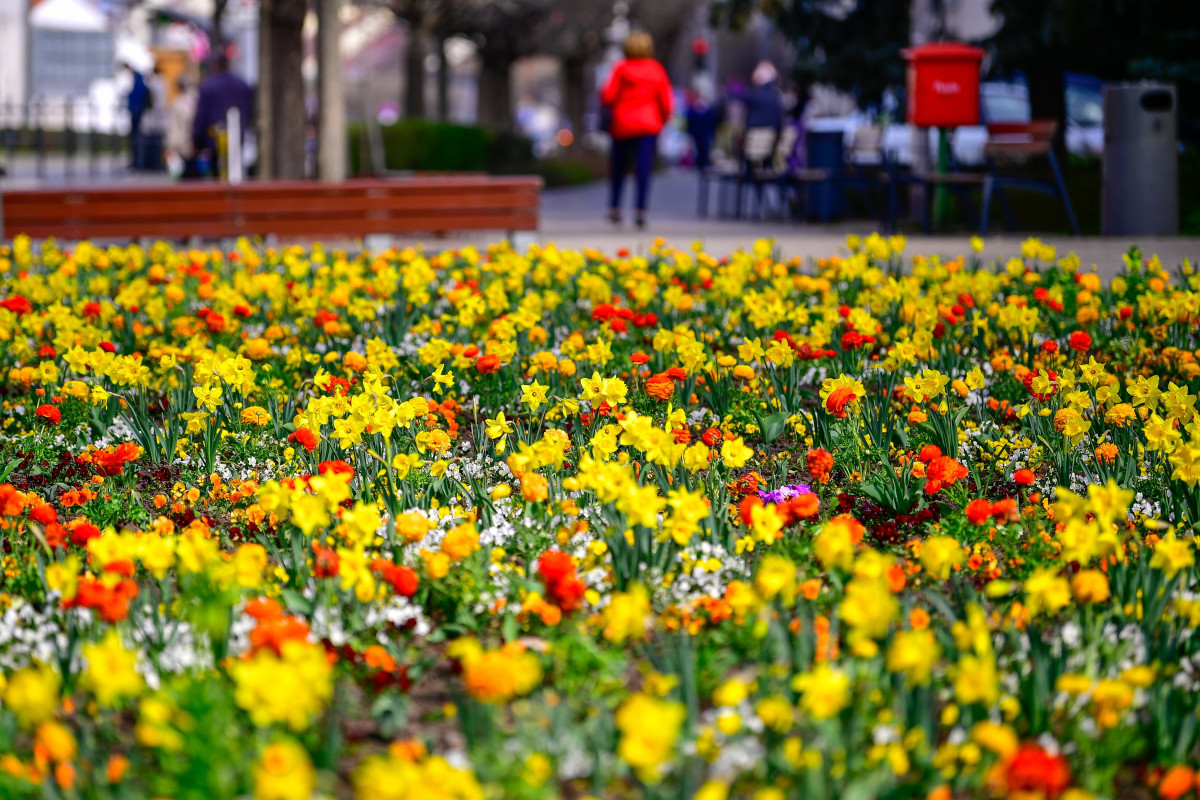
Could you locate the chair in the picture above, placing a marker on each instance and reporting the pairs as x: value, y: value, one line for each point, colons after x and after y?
x: 864, y: 168
x: 1009, y: 143
x: 959, y: 182
x: 721, y: 169
x: 756, y: 151
x: 773, y: 171
x: 866, y: 146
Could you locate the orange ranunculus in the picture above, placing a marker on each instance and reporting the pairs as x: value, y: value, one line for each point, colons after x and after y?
x: 820, y: 464
x: 928, y: 453
x: 839, y: 399
x: 1176, y: 782
x: 978, y: 511
x: 746, y: 508
x: 802, y: 506
x: 271, y: 633
x: 660, y: 387
x: 1005, y: 511
x: 943, y: 471
x: 488, y: 364
x: 1032, y: 770
x: 1080, y: 341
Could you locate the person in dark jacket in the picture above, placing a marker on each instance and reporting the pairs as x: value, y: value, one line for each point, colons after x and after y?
x: 220, y: 91
x: 638, y: 93
x: 764, y: 101
x: 138, y: 103
x: 704, y: 115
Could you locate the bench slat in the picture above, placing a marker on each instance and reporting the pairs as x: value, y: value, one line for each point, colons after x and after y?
x: 210, y: 208
x: 353, y: 208
x: 288, y: 227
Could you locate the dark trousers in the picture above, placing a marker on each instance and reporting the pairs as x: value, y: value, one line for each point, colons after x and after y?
x: 703, y: 145
x: 641, y: 150
x: 135, y: 140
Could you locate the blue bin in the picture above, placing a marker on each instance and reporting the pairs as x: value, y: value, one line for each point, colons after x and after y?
x: 825, y: 150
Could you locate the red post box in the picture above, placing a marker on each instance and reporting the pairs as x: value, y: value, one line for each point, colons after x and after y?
x: 943, y: 84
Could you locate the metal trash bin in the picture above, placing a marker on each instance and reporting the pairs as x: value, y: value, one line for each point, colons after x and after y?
x: 826, y: 150
x: 1141, y: 160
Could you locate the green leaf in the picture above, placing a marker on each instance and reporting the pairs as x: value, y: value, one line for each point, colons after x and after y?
x: 8, y: 468
x: 509, y: 628
x: 869, y: 786
x: 773, y: 426
x: 296, y: 602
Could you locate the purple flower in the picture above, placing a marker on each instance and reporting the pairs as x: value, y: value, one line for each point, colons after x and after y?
x: 785, y: 493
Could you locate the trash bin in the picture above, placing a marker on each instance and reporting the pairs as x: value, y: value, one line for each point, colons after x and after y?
x: 826, y: 150
x: 1141, y: 160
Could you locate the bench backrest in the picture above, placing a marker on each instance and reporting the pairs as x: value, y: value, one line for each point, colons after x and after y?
x: 285, y: 208
x: 758, y: 144
x: 784, y: 145
x: 1021, y: 138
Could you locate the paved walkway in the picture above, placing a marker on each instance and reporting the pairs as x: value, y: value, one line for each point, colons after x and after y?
x: 83, y: 169
x: 575, y: 217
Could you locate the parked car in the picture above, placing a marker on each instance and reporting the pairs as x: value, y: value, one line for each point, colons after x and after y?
x: 1008, y: 101
x: 1085, y: 114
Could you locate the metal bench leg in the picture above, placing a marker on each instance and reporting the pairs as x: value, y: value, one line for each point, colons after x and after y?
x: 927, y: 208
x: 796, y: 200
x: 891, y: 202
x: 968, y: 201
x: 872, y: 201
x: 1009, y: 219
x: 1062, y: 193
x: 987, y: 205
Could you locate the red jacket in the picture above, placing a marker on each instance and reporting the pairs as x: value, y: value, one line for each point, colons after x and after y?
x: 639, y: 94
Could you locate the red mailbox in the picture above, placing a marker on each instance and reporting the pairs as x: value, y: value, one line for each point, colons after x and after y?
x: 943, y: 84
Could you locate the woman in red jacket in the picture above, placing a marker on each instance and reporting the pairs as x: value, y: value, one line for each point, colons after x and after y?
x: 638, y: 94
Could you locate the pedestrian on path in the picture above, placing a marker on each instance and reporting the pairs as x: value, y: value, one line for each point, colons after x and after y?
x: 177, y: 141
x: 638, y: 95
x: 764, y: 101
x: 220, y: 91
x: 704, y: 116
x: 138, y: 101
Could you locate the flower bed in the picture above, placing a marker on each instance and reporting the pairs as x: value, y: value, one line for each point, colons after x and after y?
x: 297, y: 523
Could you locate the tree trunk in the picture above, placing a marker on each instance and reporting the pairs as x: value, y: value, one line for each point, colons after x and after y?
x: 218, y: 36
x: 667, y: 44
x: 263, y: 92
x: 575, y: 77
x: 1048, y: 97
x: 288, y: 119
x: 414, y: 72
x: 495, y: 92
x: 331, y: 152
x: 443, y: 81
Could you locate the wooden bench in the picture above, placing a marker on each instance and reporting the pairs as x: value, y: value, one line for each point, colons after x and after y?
x: 1008, y: 143
x: 352, y: 209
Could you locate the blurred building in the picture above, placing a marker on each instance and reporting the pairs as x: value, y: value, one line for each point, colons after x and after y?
x: 14, y: 40
x: 71, y: 44
x: 52, y: 48
x: 960, y: 20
